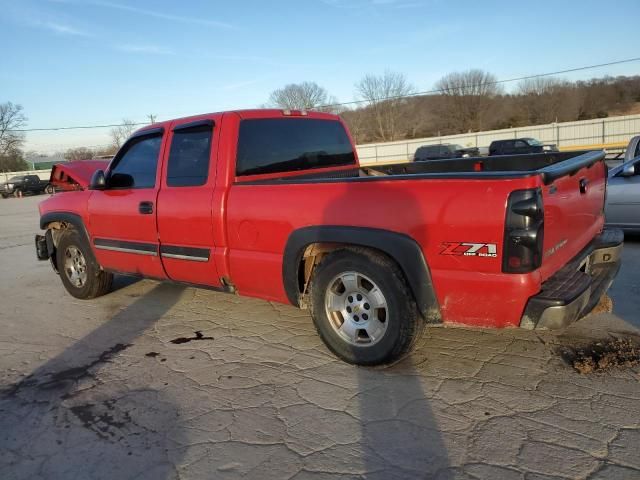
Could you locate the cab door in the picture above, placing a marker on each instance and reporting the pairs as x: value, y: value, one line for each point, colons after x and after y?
x: 122, y: 217
x: 185, y: 213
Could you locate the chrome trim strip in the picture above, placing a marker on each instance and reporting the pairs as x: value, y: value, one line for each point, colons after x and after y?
x: 125, y: 250
x: 184, y: 257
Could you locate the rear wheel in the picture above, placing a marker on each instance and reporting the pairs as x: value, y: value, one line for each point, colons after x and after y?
x: 80, y: 273
x: 362, y: 307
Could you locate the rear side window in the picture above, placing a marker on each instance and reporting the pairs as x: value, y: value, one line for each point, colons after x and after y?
x: 288, y: 144
x: 136, y: 166
x: 189, y: 157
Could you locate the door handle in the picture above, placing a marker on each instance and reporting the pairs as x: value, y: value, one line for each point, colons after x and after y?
x: 145, y: 208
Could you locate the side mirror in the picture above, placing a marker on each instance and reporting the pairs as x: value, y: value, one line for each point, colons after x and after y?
x: 98, y: 181
x: 629, y: 170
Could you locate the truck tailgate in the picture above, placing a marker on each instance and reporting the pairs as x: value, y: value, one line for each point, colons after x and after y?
x: 573, y: 215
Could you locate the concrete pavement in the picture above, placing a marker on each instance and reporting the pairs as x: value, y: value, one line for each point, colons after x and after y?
x: 97, y: 389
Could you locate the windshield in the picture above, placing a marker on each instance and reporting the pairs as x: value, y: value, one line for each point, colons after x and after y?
x: 14, y: 179
x: 533, y: 142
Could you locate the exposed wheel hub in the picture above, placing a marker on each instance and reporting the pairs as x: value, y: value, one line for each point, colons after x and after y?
x: 75, y: 266
x: 357, y: 309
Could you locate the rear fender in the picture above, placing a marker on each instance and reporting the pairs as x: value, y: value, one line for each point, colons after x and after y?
x: 403, y: 249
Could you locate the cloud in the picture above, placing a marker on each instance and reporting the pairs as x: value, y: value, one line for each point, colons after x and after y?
x: 60, y: 28
x: 163, y: 16
x: 363, y: 4
x: 144, y: 49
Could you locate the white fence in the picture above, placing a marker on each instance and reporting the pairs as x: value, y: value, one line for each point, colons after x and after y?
x: 568, y: 134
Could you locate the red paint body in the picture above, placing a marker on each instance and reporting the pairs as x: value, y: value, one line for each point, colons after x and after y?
x: 246, y: 226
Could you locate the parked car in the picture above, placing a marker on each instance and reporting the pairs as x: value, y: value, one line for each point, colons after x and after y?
x: 273, y: 204
x: 623, y: 191
x: 447, y: 150
x: 519, y: 146
x: 22, y: 184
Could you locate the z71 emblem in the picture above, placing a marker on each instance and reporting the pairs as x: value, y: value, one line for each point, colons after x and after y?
x: 469, y: 249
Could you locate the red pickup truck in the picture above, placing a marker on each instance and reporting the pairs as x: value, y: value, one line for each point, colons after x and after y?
x: 273, y: 204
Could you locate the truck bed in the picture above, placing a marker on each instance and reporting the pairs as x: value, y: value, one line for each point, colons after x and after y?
x: 550, y: 166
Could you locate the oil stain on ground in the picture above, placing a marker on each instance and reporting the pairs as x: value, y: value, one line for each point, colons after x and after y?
x: 198, y: 336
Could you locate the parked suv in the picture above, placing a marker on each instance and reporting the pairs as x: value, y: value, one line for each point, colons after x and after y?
x: 446, y: 150
x: 517, y: 146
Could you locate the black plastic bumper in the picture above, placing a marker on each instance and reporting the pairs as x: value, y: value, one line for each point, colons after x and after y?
x: 575, y: 289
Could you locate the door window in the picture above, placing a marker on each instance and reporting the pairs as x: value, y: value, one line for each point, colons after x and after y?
x: 189, y: 157
x: 136, y: 166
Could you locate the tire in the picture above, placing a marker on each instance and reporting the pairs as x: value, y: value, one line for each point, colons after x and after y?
x: 4, y: 195
x: 355, y: 290
x: 80, y: 274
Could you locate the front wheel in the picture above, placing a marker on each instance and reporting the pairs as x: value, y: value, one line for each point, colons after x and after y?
x: 362, y: 307
x: 80, y: 273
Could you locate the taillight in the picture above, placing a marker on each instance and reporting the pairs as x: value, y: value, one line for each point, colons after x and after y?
x: 523, y: 232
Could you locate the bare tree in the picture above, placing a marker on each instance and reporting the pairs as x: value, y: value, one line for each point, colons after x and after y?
x: 120, y: 133
x: 385, y: 94
x: 546, y: 100
x: 301, y: 96
x: 467, y: 98
x: 11, y: 119
x: 80, y: 153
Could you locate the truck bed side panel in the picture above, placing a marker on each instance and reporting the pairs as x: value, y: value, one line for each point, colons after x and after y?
x: 470, y: 288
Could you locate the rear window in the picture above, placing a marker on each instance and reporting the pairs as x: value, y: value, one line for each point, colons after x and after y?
x: 273, y: 145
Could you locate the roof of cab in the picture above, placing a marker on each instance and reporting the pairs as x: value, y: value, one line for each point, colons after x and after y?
x: 248, y: 113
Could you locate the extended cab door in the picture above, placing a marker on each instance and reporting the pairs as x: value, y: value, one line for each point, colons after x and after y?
x: 185, y: 212
x: 122, y: 220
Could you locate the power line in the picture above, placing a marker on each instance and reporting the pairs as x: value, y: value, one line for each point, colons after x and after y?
x: 355, y: 102
x: 440, y: 90
x: 80, y: 127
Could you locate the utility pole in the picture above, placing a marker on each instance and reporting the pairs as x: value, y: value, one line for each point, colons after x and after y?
x: 152, y: 118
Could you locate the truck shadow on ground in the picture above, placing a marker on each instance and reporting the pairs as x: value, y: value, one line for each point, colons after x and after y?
x: 400, y: 438
x: 68, y: 419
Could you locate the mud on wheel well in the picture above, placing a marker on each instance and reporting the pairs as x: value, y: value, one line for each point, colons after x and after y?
x: 312, y: 242
x: 313, y: 254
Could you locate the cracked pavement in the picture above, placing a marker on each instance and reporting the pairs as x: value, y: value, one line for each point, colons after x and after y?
x: 97, y: 389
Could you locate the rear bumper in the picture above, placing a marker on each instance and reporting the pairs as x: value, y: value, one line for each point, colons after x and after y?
x: 575, y: 289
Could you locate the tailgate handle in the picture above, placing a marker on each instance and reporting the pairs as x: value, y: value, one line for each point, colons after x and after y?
x: 583, y: 185
x: 145, y: 208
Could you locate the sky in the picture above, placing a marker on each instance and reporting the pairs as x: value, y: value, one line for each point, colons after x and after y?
x: 94, y: 62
